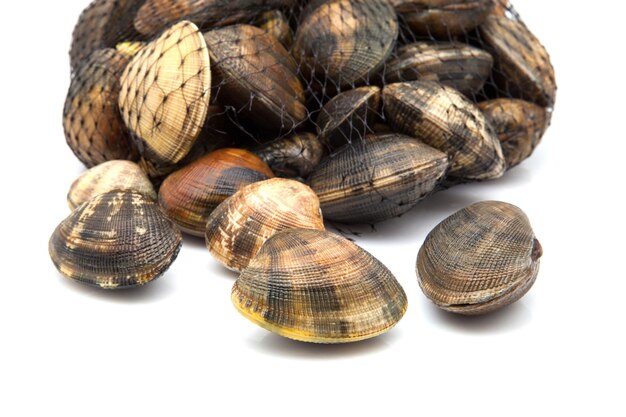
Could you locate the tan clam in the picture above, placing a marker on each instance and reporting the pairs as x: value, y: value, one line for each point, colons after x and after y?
x: 295, y: 155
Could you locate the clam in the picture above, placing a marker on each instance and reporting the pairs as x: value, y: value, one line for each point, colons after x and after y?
x: 481, y: 258
x: 519, y: 125
x: 239, y: 226
x: 522, y: 64
x: 165, y: 94
x: 189, y: 195
x: 274, y: 23
x: 501, y: 7
x: 93, y: 127
x: 454, y: 64
x: 256, y: 75
x: 314, y: 286
x: 116, y: 240
x: 375, y: 180
x: 340, y: 43
x: 348, y: 117
x: 444, y: 119
x: 442, y: 18
x: 109, y: 176
x: 293, y: 156
x: 130, y: 48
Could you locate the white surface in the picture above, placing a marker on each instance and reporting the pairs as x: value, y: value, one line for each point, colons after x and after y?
x: 178, y: 347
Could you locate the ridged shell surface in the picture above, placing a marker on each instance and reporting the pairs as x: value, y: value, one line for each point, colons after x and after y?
x: 315, y: 286
x: 296, y: 155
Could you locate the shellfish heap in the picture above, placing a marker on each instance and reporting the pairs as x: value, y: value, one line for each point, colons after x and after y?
x: 181, y: 107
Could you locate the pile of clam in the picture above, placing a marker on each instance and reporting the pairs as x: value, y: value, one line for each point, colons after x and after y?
x: 250, y: 122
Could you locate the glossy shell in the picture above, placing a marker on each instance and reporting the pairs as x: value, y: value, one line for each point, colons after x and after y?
x: 457, y: 65
x: 275, y: 23
x: 93, y: 127
x: 315, y: 286
x: 378, y: 179
x: 109, y: 176
x: 239, y: 226
x: 519, y: 125
x: 188, y: 196
x: 444, y: 119
x: 481, y: 258
x: 116, y: 240
x: 293, y: 156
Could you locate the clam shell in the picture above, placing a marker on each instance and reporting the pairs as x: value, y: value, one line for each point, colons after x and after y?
x: 378, y: 179
x: 116, y: 240
x: 275, y: 23
x: 519, y: 125
x: 293, y: 156
x: 165, y: 94
x: 189, y: 195
x: 444, y: 119
x: 109, y: 176
x: 481, y: 258
x: 239, y: 226
x: 314, y: 286
x: 454, y: 64
x: 256, y: 75
x: 93, y: 127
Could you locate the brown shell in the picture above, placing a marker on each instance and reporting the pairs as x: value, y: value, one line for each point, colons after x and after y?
x: 315, y: 286
x: 481, y: 258
x: 256, y: 75
x: 444, y: 119
x: 340, y: 43
x: 519, y: 125
x: 188, y: 196
x: 454, y: 64
x: 522, y: 64
x: 378, y: 179
x: 239, y: 226
x: 93, y: 127
x: 116, y: 240
x: 293, y: 156
x: 275, y: 23
x: 109, y: 176
x: 165, y: 94
x: 442, y: 18
x: 348, y: 117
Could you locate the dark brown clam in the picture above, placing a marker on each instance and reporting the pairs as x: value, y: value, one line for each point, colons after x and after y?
x: 190, y: 194
x: 119, y: 239
x: 453, y: 64
x: 445, y: 119
x: 348, y: 117
x: 377, y: 179
x: 293, y: 156
x: 256, y: 75
x: 275, y: 23
x: 519, y: 125
x: 522, y: 65
x: 94, y: 129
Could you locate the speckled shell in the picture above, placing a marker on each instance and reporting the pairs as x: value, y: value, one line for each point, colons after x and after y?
x: 519, y: 125
x: 341, y: 43
x: 444, y: 119
x: 93, y: 127
x: 239, y: 226
x: 315, y: 286
x: 522, y: 64
x: 442, y: 18
x: 109, y: 176
x: 293, y: 156
x: 188, y: 196
x: 116, y: 240
x: 481, y: 258
x: 454, y: 64
x: 275, y: 23
x: 348, y: 117
x: 165, y: 94
x: 378, y: 179
x: 256, y: 75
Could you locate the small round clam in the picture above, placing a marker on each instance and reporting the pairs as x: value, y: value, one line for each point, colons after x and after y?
x: 116, y: 240
x: 295, y: 155
x: 189, y: 195
x: 239, y: 226
x: 480, y: 259
x: 314, y: 286
x: 275, y: 23
x: 109, y: 176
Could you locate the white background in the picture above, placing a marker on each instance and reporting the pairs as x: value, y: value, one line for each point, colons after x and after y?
x: 178, y: 347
